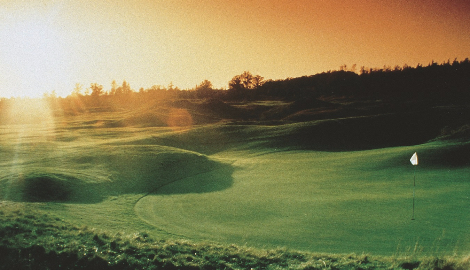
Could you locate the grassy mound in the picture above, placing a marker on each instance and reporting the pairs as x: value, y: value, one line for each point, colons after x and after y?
x: 358, y: 133
x: 338, y: 134
x: 42, y: 184
x: 32, y: 239
x: 44, y: 187
x: 89, y: 174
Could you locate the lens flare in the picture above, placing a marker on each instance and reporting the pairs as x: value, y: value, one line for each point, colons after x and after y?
x: 31, y: 129
x: 179, y: 119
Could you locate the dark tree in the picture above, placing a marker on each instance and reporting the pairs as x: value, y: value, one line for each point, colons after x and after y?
x: 236, y: 83
x: 247, y: 80
x: 96, y: 90
x: 204, y: 85
x: 257, y: 81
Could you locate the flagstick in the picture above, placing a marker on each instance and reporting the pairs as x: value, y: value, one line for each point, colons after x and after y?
x: 414, y: 185
x: 414, y: 162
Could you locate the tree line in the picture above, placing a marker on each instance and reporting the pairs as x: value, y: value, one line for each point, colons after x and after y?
x: 449, y: 79
x: 446, y: 81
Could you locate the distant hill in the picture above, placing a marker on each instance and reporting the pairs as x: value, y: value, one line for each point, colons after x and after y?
x: 432, y: 100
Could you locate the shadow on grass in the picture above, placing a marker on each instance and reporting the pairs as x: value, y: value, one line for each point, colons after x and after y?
x: 74, y: 187
x: 43, y: 186
x: 217, y: 178
x: 363, y: 133
x: 353, y: 133
x: 445, y: 155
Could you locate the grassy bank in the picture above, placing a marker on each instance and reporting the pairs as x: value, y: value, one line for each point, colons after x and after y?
x: 33, y: 239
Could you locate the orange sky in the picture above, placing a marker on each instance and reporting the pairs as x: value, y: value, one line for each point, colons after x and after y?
x: 53, y: 44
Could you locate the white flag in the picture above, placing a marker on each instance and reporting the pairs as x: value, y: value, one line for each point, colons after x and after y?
x: 414, y: 159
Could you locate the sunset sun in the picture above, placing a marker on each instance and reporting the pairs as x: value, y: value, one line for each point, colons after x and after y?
x: 33, y: 57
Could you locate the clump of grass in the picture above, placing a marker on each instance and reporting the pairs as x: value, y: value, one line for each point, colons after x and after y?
x: 31, y: 239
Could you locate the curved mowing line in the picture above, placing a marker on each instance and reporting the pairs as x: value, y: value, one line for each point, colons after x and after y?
x: 166, y: 184
x: 354, y: 205
x: 176, y: 180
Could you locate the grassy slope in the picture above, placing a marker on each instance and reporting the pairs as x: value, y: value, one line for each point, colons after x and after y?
x: 356, y: 202
x: 321, y: 201
x: 35, y: 239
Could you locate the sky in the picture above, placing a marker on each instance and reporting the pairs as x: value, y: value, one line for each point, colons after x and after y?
x: 51, y: 45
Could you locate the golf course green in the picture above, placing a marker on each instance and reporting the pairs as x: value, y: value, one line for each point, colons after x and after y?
x: 331, y: 186
x: 246, y: 192
x: 337, y: 202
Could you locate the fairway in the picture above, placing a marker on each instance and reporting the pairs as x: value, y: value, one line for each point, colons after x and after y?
x: 242, y: 184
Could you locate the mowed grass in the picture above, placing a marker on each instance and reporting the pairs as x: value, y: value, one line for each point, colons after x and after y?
x: 242, y: 185
x: 335, y: 202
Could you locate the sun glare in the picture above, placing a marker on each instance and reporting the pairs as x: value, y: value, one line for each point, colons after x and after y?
x: 33, y: 57
x: 28, y: 111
